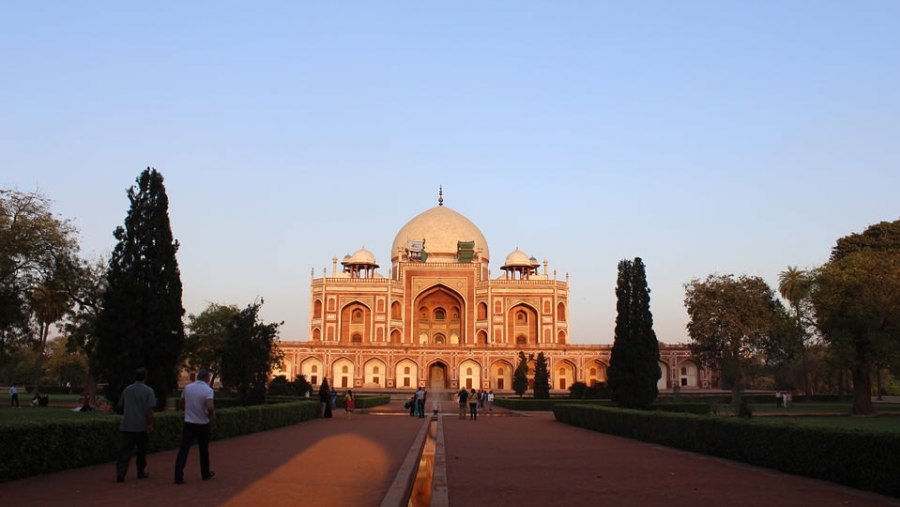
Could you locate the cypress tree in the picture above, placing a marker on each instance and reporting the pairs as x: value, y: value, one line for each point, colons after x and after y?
x: 520, y: 376
x: 634, y: 362
x: 140, y: 322
x: 541, y: 378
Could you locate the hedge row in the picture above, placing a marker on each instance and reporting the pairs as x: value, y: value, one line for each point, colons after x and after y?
x: 37, y: 448
x: 863, y: 460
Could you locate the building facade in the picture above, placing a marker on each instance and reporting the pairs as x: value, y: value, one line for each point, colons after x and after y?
x: 438, y: 319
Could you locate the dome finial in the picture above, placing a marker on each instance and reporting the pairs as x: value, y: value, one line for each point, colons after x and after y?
x: 440, y: 195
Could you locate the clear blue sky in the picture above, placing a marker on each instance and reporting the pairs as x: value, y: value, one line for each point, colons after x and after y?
x: 727, y: 137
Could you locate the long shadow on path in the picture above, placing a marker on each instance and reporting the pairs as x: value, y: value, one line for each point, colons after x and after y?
x: 325, y: 462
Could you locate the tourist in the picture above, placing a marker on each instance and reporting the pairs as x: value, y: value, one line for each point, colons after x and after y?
x: 420, y: 402
x: 481, y: 398
x: 85, y: 402
x: 332, y: 398
x: 411, y: 405
x: 136, y: 405
x: 324, y: 400
x: 462, y: 396
x: 490, y: 399
x: 14, y: 396
x: 349, y: 403
x: 199, y: 412
x: 473, y: 406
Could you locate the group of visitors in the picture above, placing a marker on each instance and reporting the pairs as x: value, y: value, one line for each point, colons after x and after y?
x: 137, y: 403
x: 474, y: 400
x: 38, y: 400
x: 328, y: 401
x: 416, y: 403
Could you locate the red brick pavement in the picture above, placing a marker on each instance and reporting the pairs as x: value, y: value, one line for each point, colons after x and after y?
x: 534, y: 460
x: 497, y: 460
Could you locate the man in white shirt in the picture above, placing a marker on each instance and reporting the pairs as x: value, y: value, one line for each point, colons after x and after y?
x: 198, y: 414
x: 14, y: 396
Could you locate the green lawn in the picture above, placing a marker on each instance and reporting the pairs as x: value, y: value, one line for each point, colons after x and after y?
x: 881, y: 423
x: 14, y: 416
x: 842, y: 407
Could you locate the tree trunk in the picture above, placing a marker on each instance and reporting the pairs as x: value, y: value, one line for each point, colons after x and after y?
x: 806, y: 383
x: 38, y: 370
x: 862, y: 381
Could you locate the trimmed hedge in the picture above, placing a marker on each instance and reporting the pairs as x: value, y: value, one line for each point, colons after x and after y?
x: 37, y: 448
x: 685, y: 408
x: 863, y: 460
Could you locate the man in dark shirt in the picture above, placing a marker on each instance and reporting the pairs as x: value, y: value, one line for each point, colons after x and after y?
x: 136, y: 404
x: 463, y: 398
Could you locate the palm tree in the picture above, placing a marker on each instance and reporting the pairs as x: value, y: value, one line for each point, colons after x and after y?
x: 794, y: 285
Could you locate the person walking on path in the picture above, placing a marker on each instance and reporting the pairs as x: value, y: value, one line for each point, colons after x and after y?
x: 462, y: 396
x: 349, y: 403
x: 199, y: 413
x: 136, y: 405
x: 490, y: 398
x: 325, y: 400
x: 473, y: 406
x: 14, y: 396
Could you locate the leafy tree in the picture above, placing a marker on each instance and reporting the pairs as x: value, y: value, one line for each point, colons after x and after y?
x: 520, y: 376
x: 732, y: 322
x: 280, y: 386
x: 857, y: 304
x: 795, y: 286
x: 250, y: 355
x: 207, y: 338
x: 36, y: 248
x: 65, y: 366
x: 86, y: 288
x: 634, y: 362
x: 140, y: 324
x: 541, y: 378
x: 302, y: 387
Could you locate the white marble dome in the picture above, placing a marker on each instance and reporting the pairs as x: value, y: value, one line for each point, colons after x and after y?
x: 441, y: 228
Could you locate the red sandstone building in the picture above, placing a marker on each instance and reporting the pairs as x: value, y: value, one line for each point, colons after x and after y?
x: 440, y: 321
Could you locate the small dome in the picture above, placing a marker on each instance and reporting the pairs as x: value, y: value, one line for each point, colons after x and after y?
x: 361, y: 256
x: 519, y: 258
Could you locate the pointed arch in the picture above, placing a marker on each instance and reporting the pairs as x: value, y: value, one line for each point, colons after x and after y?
x: 440, y: 315
x: 501, y: 374
x: 406, y: 373
x: 374, y: 373
x: 470, y: 374
x: 563, y: 374
x: 317, y: 309
x: 343, y: 371
x: 595, y: 372
x: 313, y: 369
x: 522, y: 324
x: 355, y: 323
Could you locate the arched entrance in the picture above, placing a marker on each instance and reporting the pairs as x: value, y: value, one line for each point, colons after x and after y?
x: 439, y: 317
x: 437, y: 376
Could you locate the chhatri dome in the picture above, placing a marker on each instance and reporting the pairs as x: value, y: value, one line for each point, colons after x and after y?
x: 519, y: 258
x: 362, y: 257
x: 441, y: 228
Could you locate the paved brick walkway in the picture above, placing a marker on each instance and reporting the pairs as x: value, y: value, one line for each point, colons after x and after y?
x: 497, y: 460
